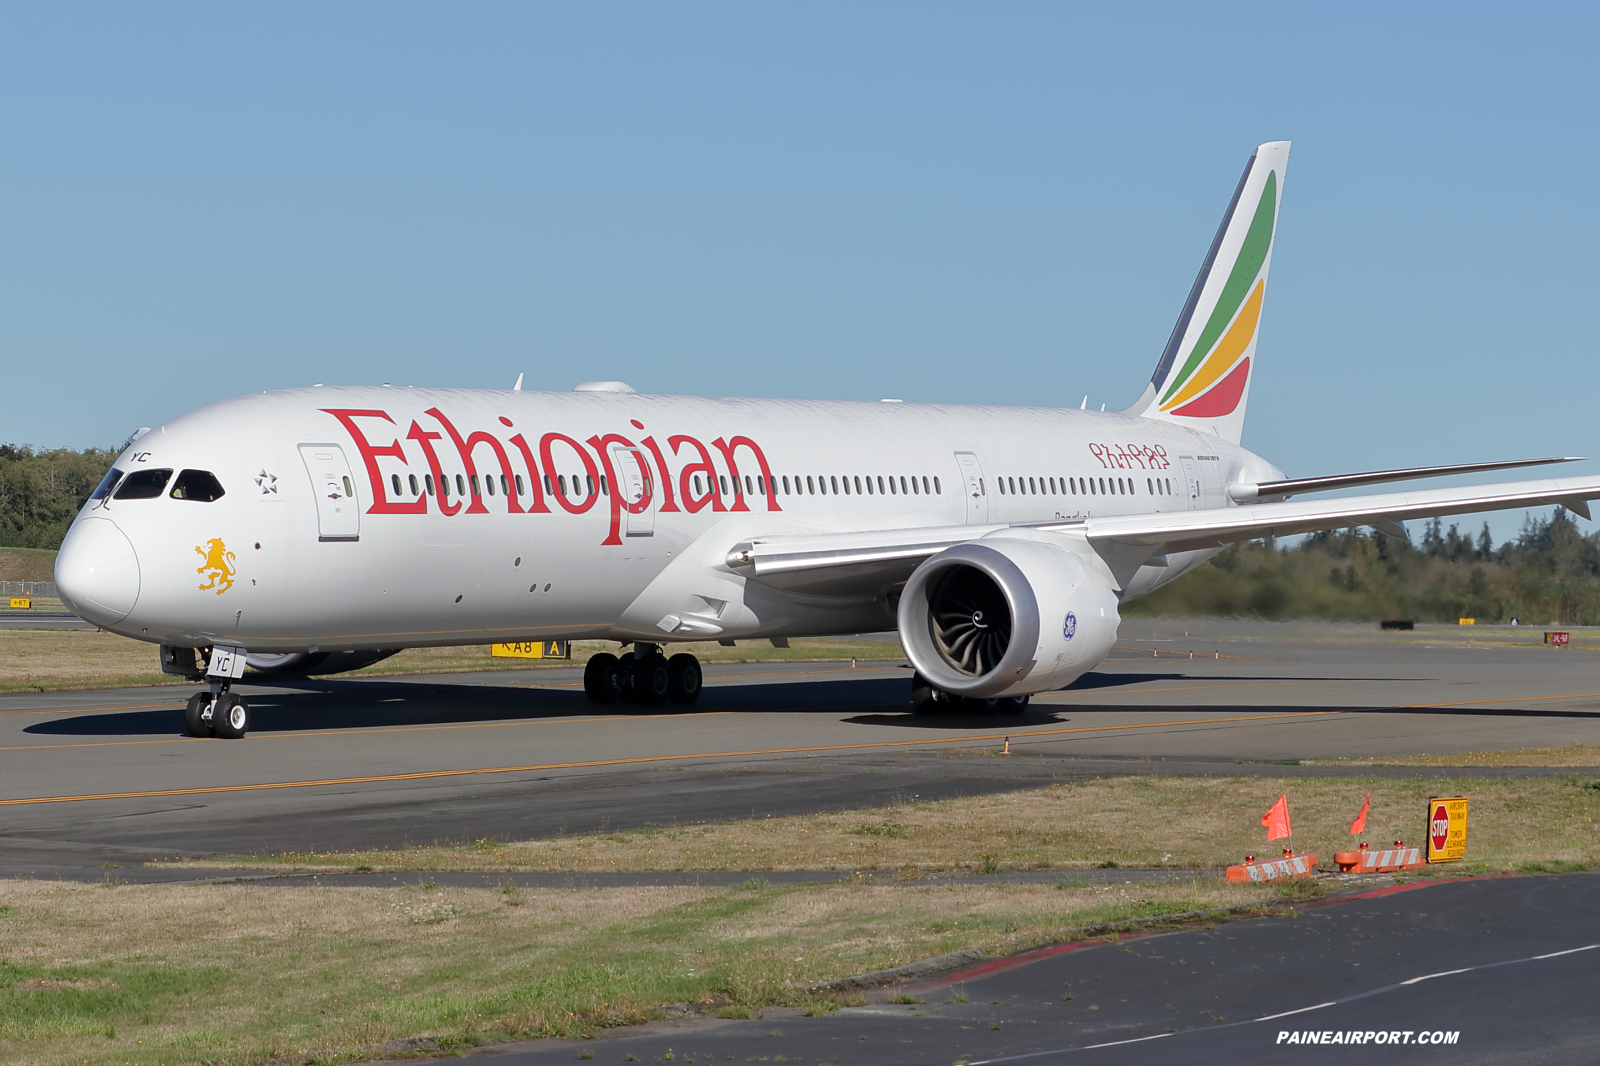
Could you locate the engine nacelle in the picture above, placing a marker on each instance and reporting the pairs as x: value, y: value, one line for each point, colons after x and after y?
x: 1006, y: 616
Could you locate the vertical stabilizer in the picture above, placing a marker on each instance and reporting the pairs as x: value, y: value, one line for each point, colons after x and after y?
x: 1203, y: 378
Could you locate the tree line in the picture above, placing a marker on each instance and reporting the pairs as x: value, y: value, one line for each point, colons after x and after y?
x: 1549, y: 574
x: 41, y: 491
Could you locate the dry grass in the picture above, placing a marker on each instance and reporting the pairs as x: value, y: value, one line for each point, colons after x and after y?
x: 1574, y: 755
x: 46, y: 660
x: 1193, y: 823
x: 242, y: 973
x: 27, y: 564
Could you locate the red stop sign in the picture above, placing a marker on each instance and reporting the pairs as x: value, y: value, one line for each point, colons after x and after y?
x: 1439, y: 828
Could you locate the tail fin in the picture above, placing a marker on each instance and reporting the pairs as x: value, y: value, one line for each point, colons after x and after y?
x: 1203, y: 378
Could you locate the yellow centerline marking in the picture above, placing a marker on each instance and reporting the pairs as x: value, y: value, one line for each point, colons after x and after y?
x: 424, y: 775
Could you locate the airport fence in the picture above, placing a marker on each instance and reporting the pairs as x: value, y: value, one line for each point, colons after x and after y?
x: 27, y: 588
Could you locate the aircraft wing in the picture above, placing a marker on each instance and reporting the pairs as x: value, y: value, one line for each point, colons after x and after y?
x: 863, y: 563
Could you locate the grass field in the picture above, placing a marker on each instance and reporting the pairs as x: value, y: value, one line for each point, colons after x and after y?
x: 113, y: 974
x: 1186, y: 823
x: 46, y: 660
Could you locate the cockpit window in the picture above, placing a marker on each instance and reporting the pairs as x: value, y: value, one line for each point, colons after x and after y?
x: 143, y: 485
x: 199, y: 485
x: 107, y: 483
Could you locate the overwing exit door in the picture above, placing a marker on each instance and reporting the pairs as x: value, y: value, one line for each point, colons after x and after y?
x: 973, y: 488
x: 638, y: 495
x: 338, y: 509
x: 1191, y: 481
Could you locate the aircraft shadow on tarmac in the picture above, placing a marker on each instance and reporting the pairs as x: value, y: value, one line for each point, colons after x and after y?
x: 335, y: 705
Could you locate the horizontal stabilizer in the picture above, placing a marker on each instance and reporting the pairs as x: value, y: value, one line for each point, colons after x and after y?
x: 1277, y: 490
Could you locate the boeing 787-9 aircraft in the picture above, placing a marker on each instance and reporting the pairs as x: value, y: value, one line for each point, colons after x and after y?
x: 323, y: 528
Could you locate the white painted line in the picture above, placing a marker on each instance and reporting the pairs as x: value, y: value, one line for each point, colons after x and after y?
x: 1135, y: 1040
x: 1569, y: 951
x: 1302, y: 1010
x: 1431, y: 976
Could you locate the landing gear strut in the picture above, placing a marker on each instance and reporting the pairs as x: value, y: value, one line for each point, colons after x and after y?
x: 643, y: 675
x: 217, y: 712
x: 926, y: 699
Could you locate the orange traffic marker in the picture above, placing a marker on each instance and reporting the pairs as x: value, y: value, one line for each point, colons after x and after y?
x: 1274, y: 869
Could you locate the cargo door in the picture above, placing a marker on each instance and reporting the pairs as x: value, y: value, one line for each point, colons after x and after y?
x: 638, y: 494
x: 338, y: 509
x: 973, y: 487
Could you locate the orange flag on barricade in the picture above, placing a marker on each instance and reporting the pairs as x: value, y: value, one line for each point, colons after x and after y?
x: 1277, y: 819
x: 1360, y: 824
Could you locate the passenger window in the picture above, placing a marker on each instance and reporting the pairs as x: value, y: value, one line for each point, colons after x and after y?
x: 811, y: 489
x: 903, y: 484
x: 520, y: 490
x: 914, y: 489
x: 349, y: 489
x: 938, y: 490
x: 143, y: 485
x: 107, y: 483
x: 461, y: 486
x: 697, y: 490
x: 412, y: 478
x: 858, y: 485
x: 723, y: 481
x: 587, y: 481
x: 394, y: 479
x: 747, y: 488
x: 833, y: 483
x: 761, y: 487
x: 547, y: 489
x: 786, y: 485
x: 203, y: 486
x: 488, y: 483
x: 444, y: 485
x: 891, y: 485
x: 1149, y: 486
x: 605, y: 490
x: 880, y: 484
x: 561, y: 480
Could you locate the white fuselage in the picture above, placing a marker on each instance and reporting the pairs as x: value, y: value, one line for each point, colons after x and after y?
x: 287, y: 560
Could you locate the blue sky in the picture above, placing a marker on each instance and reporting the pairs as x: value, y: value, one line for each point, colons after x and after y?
x: 998, y: 203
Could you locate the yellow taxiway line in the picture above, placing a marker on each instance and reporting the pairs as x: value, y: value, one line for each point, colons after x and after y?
x: 424, y: 775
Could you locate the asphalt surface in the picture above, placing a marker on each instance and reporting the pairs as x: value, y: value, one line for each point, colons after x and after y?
x: 107, y: 777
x: 1508, y: 966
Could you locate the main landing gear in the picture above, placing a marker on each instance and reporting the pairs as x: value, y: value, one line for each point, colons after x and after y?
x: 217, y: 713
x: 642, y: 675
x: 925, y: 699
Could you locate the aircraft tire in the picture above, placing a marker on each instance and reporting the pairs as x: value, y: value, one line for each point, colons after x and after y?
x: 231, y: 719
x: 652, y: 680
x: 925, y: 699
x: 1013, y: 704
x: 600, y: 679
x: 683, y: 671
x: 625, y: 677
x: 193, y: 724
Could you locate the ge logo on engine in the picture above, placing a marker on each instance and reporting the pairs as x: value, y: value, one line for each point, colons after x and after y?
x: 1069, y: 627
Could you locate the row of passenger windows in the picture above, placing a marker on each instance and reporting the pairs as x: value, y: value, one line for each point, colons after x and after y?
x: 1082, y: 486
x: 584, y: 485
x: 199, y: 485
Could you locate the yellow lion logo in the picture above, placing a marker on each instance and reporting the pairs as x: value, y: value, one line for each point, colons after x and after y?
x: 218, y: 566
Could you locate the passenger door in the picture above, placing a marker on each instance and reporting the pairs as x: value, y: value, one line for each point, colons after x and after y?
x: 633, y: 483
x: 973, y: 487
x: 338, y: 508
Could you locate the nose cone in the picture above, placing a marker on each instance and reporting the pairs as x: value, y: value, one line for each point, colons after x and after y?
x: 97, y: 572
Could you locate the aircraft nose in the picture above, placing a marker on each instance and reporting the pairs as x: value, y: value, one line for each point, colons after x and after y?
x: 97, y: 572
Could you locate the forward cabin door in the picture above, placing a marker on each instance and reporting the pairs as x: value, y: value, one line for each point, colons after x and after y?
x: 973, y: 487
x: 338, y: 509
x: 633, y: 482
x: 1191, y: 481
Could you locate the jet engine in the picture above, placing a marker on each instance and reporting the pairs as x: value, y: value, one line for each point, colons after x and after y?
x: 1006, y: 616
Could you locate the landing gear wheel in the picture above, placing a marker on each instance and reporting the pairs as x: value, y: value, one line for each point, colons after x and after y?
x: 683, y: 673
x: 231, y: 719
x: 652, y: 681
x: 1012, y: 704
x: 625, y: 664
x: 601, y: 682
x: 192, y: 722
x: 925, y: 699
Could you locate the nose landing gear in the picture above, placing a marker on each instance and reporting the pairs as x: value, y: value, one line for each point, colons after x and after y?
x: 643, y: 675
x: 216, y: 713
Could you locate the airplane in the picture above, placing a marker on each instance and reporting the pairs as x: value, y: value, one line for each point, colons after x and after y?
x: 318, y: 529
